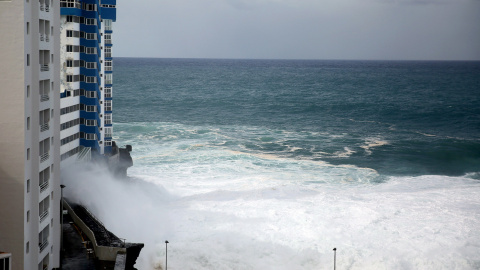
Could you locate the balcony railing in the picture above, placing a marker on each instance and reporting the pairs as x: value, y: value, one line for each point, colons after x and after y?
x: 108, y: 54
x: 42, y: 7
x: 44, y: 68
x: 47, y: 39
x: 108, y: 135
x: 47, y: 8
x: 43, y: 215
x: 42, y: 38
x: 70, y: 5
x: 108, y: 41
x: 44, y: 157
x: 43, y: 245
x: 44, y: 127
x: 44, y: 186
x: 108, y: 68
x: 44, y: 98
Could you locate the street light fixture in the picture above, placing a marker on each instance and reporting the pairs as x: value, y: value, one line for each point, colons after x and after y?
x: 62, y: 249
x: 166, y: 250
x: 334, y: 258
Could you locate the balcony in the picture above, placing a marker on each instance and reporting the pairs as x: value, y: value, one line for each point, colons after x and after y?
x: 44, y: 157
x: 43, y: 215
x: 44, y: 68
x: 44, y: 127
x: 70, y: 5
x: 44, y: 186
x: 44, y: 98
x: 43, y: 245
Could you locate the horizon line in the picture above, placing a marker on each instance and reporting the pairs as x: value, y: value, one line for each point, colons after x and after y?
x: 306, y: 59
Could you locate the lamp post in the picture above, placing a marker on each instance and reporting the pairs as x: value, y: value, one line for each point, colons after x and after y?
x: 334, y: 258
x: 166, y: 250
x: 62, y: 250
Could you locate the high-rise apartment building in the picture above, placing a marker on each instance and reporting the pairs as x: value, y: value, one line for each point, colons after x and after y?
x: 30, y: 133
x: 86, y: 78
x: 56, y: 106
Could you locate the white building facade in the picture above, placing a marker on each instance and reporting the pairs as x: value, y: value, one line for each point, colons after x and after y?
x: 30, y: 133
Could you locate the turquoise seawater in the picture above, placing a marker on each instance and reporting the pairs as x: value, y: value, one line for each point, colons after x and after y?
x: 399, y: 118
x: 270, y: 164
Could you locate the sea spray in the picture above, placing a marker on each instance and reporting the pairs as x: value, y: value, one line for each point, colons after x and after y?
x: 404, y: 223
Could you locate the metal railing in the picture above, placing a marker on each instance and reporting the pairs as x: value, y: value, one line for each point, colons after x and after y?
x: 42, y: 38
x: 108, y: 135
x: 44, y: 157
x: 47, y: 8
x: 44, y: 98
x: 44, y: 186
x: 108, y: 41
x: 70, y: 5
x: 43, y: 215
x: 108, y: 68
x: 47, y: 39
x: 44, y: 127
x: 43, y: 245
x: 44, y: 68
x: 42, y: 7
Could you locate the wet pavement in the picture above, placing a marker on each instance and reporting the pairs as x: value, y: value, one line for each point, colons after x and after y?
x: 75, y: 255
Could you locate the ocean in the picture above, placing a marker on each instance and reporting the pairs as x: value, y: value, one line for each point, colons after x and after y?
x: 270, y: 164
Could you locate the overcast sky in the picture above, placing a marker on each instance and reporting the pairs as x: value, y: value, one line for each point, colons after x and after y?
x: 299, y: 29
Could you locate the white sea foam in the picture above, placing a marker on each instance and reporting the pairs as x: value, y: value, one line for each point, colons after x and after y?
x: 371, y: 143
x: 225, y: 210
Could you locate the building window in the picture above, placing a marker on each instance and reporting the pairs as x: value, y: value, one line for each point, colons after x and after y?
x: 5, y: 262
x: 91, y: 50
x: 28, y: 123
x: 28, y: 28
x: 108, y: 52
x: 92, y: 65
x: 28, y: 185
x: 108, y: 132
x: 91, y: 108
x: 91, y: 21
x: 89, y: 7
x: 28, y: 60
x: 43, y: 179
x: 43, y: 239
x: 108, y: 38
x: 108, y: 119
x: 43, y: 208
x: 91, y: 36
x: 28, y: 153
x: 108, y: 65
x: 108, y: 106
x: 108, y: 24
x: 91, y: 122
x: 28, y: 220
x: 108, y: 92
x: 108, y: 78
x: 27, y: 247
x: 28, y: 90
x: 91, y: 79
